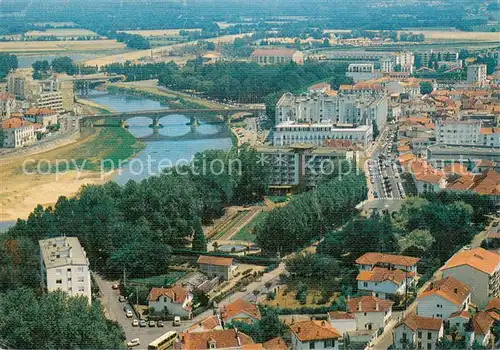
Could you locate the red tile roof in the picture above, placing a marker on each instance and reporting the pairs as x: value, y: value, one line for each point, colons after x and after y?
x: 415, y: 322
x: 241, y: 306
x: 462, y: 314
x: 448, y: 288
x: 477, y: 258
x: 6, y: 96
x: 379, y: 274
x: 207, y: 324
x: 215, y: 260
x: 482, y: 323
x: 340, y: 315
x: 314, y: 330
x: 40, y: 111
x: 275, y: 344
x: 14, y: 123
x: 176, y: 293
x: 230, y: 338
x: 493, y: 308
x: 381, y: 258
x: 368, y: 304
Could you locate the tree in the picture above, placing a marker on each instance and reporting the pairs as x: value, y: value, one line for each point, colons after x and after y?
x: 376, y: 131
x: 267, y: 328
x: 199, y: 240
x: 8, y: 62
x: 40, y: 69
x: 55, y: 320
x: 64, y: 65
x: 426, y: 88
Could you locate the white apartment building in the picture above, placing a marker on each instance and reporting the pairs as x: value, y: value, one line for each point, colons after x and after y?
x: 277, y: 56
x: 18, y: 133
x: 386, y: 65
x: 51, y: 100
x: 334, y: 108
x: 444, y: 298
x: 480, y: 270
x: 458, y: 132
x: 64, y: 265
x: 362, y: 72
x: 476, y: 73
x: 371, y: 313
x: 417, y: 331
x: 8, y: 105
x: 406, y: 60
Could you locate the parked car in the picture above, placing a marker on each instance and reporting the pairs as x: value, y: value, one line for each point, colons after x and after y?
x: 121, y: 299
x: 135, y: 323
x: 134, y: 342
x: 177, y: 321
x: 129, y: 314
x: 142, y: 323
x: 159, y: 324
x: 152, y: 323
x: 115, y: 286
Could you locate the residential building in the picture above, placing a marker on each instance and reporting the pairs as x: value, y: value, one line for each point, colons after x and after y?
x: 493, y: 308
x: 300, y: 166
x: 18, y: 132
x: 370, y: 260
x: 382, y: 282
x: 320, y: 88
x: 336, y: 109
x: 441, y: 55
x: 487, y: 183
x: 277, y: 343
x: 460, y: 319
x: 8, y: 105
x: 386, y: 65
x: 371, y: 313
x: 277, y: 56
x: 64, y: 266
x: 240, y: 310
x: 210, y: 323
x: 342, y: 321
x: 443, y: 153
x: 50, y: 100
x: 418, y: 331
x: 458, y: 132
x: 489, y: 137
x: 175, y: 300
x: 444, y: 298
x: 427, y: 178
x: 22, y: 85
x: 44, y: 116
x: 217, y: 339
x: 482, y: 335
x: 476, y: 73
x: 314, y: 335
x: 214, y: 266
x: 406, y: 60
x: 479, y: 269
x: 362, y: 72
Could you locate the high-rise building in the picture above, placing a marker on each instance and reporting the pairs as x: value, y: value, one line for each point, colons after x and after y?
x: 476, y: 73
x: 64, y: 266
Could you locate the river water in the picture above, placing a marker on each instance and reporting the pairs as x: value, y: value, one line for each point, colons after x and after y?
x: 185, y: 141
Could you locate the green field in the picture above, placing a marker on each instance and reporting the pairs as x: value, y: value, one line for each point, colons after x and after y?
x: 160, y: 280
x: 231, y: 223
x: 246, y: 233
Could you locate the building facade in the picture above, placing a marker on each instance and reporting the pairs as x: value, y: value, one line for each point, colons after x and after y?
x: 174, y: 301
x: 277, y: 56
x: 418, y: 332
x: 64, y: 266
x: 476, y: 73
x: 214, y: 266
x: 18, y: 133
x: 458, y: 132
x: 314, y: 335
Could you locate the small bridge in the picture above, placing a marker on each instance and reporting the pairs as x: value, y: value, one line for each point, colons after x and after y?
x: 193, y: 134
x: 83, y: 82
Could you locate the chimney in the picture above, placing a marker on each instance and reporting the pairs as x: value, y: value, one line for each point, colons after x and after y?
x: 298, y: 329
x: 359, y: 306
x: 323, y: 323
x: 348, y: 298
x: 376, y: 306
x: 175, y: 296
x: 455, y: 290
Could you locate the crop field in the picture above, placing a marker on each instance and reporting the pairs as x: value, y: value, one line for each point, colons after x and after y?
x: 159, y: 32
x: 51, y: 46
x: 444, y: 35
x: 62, y: 32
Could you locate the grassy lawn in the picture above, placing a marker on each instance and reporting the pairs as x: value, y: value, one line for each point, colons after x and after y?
x: 231, y: 223
x: 246, y: 233
x: 160, y: 280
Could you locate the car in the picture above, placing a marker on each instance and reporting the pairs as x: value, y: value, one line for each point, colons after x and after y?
x: 134, y: 342
x: 121, y: 299
x: 467, y: 247
x: 375, y: 194
x: 159, y: 324
x: 135, y: 323
x: 243, y: 289
x: 126, y: 307
x: 495, y: 224
x: 152, y: 323
x: 142, y: 323
x: 115, y: 286
x: 177, y: 321
x: 129, y: 314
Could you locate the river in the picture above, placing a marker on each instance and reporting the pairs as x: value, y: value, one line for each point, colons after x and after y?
x: 160, y: 154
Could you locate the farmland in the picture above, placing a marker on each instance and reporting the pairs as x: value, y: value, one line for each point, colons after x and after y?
x: 448, y: 35
x: 61, y: 33
x: 158, y: 32
x: 60, y: 46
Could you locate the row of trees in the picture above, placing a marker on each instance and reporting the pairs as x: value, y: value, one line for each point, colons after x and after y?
x: 7, y: 63
x: 310, y: 215
x: 64, y: 64
x: 133, y: 41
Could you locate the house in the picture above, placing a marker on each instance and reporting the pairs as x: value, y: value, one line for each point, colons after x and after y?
x: 8, y: 105
x: 214, y: 266
x: 368, y: 261
x: 314, y: 335
x: 175, y: 300
x: 381, y: 282
x: 443, y: 298
x: 277, y: 343
x: 217, y: 339
x: 18, y: 132
x: 493, y: 308
x: 44, y: 116
x: 64, y: 266
x: 277, y: 56
x: 210, y: 323
x: 460, y: 319
x: 479, y: 269
x: 342, y: 321
x: 421, y: 332
x: 240, y: 310
x: 482, y: 323
x: 426, y: 178
x: 370, y: 312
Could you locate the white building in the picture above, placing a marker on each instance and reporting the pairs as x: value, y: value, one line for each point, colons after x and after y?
x: 406, y: 60
x: 175, y: 300
x: 64, y: 265
x: 362, y: 72
x: 314, y: 335
x: 240, y: 310
x: 277, y: 56
x: 18, y: 133
x: 458, y: 132
x: 8, y: 106
x: 44, y: 116
x: 344, y: 322
x: 371, y: 313
x: 476, y: 73
x: 418, y: 331
x: 50, y: 100
x: 382, y: 282
x: 386, y: 65
x: 444, y: 298
x: 479, y: 269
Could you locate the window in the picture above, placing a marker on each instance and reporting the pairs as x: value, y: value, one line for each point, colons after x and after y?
x: 419, y: 334
x: 312, y: 345
x: 69, y: 269
x: 81, y: 288
x: 404, y: 336
x: 419, y: 345
x: 429, y: 335
x: 365, y: 313
x: 429, y: 346
x: 329, y: 343
x: 81, y: 279
x: 59, y: 281
x: 80, y: 269
x: 365, y: 284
